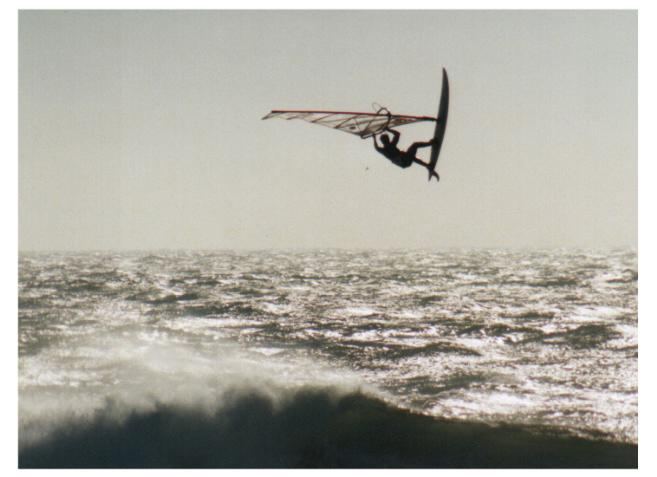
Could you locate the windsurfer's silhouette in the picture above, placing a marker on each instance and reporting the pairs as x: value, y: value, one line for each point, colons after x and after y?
x: 401, y: 158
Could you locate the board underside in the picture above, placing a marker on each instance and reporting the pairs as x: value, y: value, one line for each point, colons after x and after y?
x: 441, y: 123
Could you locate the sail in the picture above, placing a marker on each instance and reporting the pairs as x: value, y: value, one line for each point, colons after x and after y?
x: 361, y: 124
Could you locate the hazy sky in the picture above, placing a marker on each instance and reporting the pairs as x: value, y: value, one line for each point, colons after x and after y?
x: 142, y: 130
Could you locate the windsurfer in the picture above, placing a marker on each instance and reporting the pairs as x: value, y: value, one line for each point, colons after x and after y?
x: 398, y: 157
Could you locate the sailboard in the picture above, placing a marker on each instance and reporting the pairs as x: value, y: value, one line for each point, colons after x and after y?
x: 366, y: 125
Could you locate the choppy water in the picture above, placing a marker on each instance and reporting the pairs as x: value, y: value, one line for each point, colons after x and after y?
x: 543, y: 339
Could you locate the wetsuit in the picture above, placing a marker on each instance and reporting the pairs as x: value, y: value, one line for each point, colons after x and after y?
x: 398, y: 157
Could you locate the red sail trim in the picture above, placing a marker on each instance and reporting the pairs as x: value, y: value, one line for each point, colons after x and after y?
x: 361, y: 124
x: 353, y: 113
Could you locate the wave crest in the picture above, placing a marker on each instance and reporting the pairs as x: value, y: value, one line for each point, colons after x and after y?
x: 309, y: 428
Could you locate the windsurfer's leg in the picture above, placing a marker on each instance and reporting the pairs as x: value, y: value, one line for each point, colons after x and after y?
x: 412, y: 150
x: 432, y: 173
x: 421, y: 162
x: 423, y: 144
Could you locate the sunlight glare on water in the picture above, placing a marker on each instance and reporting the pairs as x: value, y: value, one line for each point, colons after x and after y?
x: 546, y: 338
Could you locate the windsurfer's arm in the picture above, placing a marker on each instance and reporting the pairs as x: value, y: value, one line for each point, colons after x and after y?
x: 376, y: 144
x: 395, y: 135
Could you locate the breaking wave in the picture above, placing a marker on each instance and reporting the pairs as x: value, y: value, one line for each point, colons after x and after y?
x: 308, y: 428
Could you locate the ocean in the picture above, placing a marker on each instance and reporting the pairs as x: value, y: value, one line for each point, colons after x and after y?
x: 328, y: 358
